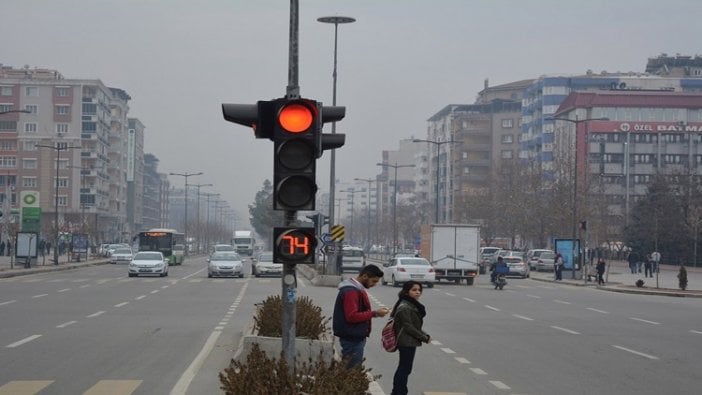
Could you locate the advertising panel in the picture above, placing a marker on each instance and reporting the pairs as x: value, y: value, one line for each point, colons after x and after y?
x: 565, y: 248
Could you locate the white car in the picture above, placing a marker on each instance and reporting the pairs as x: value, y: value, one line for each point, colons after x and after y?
x: 402, y: 269
x: 121, y: 255
x: 148, y: 262
x: 263, y: 265
x: 225, y: 264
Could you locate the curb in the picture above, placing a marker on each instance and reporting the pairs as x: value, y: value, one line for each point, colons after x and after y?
x: 617, y: 288
x: 47, y: 269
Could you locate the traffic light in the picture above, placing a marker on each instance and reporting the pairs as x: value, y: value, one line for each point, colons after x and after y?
x: 294, y: 244
x: 583, y: 225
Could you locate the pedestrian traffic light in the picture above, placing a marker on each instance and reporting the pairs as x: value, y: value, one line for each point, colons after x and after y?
x: 294, y: 244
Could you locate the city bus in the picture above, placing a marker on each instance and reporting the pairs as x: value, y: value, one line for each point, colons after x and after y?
x: 167, y: 241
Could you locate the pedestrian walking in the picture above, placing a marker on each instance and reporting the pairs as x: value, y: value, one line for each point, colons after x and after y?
x: 353, y: 314
x: 409, y: 315
x: 656, y: 258
x: 2, y: 247
x: 648, y: 267
x: 632, y: 259
x: 600, y: 271
x: 558, y: 266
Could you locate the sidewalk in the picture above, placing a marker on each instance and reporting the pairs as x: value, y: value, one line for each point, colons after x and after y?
x: 619, y: 278
x: 45, y: 264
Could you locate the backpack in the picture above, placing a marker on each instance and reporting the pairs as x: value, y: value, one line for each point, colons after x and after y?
x: 389, y: 337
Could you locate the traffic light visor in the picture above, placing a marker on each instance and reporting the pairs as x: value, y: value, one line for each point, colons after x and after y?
x: 295, y: 118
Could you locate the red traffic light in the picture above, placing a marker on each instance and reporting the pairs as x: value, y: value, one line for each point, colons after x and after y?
x: 296, y: 118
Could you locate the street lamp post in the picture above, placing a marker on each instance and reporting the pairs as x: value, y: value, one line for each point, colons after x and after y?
x: 438, y: 166
x: 336, y: 20
x: 185, y: 196
x: 58, y: 148
x: 394, y: 202
x: 574, y: 218
x: 369, y: 181
x: 353, y: 197
x: 199, y: 231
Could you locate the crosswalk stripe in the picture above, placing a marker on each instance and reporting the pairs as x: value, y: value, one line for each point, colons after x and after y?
x: 113, y: 387
x: 24, y: 387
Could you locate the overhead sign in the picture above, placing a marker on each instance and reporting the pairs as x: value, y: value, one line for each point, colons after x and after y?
x: 337, y: 233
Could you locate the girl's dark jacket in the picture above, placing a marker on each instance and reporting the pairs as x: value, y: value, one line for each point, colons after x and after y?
x: 408, y: 325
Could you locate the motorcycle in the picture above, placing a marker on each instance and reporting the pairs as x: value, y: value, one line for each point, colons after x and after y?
x: 500, y: 281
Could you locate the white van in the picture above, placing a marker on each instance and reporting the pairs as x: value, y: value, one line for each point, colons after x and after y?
x: 352, y: 258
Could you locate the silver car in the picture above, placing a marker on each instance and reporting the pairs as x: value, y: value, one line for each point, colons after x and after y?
x: 225, y: 264
x: 148, y: 262
x: 263, y: 265
x: 121, y: 255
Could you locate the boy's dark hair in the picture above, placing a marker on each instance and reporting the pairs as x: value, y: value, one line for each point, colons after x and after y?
x: 371, y: 271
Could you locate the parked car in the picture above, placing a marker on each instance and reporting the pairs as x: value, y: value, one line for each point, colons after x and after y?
x: 112, y: 247
x: 517, y: 266
x: 532, y: 257
x: 148, y: 262
x: 401, y: 269
x: 545, y: 262
x: 225, y: 264
x: 263, y: 265
x: 487, y: 254
x: 121, y: 255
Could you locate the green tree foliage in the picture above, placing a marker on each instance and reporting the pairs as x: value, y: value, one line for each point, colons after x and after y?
x: 263, y: 217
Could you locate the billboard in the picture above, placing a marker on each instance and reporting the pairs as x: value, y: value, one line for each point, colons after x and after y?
x: 566, y: 248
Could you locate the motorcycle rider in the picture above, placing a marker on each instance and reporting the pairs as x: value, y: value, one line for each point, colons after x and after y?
x: 501, y: 264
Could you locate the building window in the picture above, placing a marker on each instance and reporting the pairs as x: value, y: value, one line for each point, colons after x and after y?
x: 62, y: 110
x: 62, y: 201
x: 29, y: 145
x: 506, y: 154
x: 32, y: 108
x: 30, y: 127
x: 29, y: 164
x: 62, y: 164
x: 5, y: 91
x: 507, y: 123
x: 62, y: 91
x: 61, y: 128
x: 32, y: 91
x: 8, y: 126
x: 29, y: 182
x: 8, y: 162
x: 6, y: 107
x: 7, y: 145
x: 507, y: 139
x: 62, y: 182
x: 466, y: 170
x: 89, y: 109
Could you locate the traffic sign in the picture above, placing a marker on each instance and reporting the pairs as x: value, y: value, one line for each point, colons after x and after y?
x: 329, y: 249
x: 326, y: 238
x: 337, y: 233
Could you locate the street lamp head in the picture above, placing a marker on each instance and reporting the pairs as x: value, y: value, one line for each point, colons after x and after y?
x: 336, y: 19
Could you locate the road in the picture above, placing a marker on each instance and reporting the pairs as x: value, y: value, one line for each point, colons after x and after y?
x: 91, y: 330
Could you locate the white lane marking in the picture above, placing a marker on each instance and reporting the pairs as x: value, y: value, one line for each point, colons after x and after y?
x: 491, y: 308
x: 219, y: 328
x: 522, y: 317
x: 8, y: 302
x: 140, y: 297
x: 597, y: 311
x: 39, y: 296
x: 21, y: 342
x: 462, y: 360
x: 635, y: 352
x: 164, y: 287
x: 448, y: 351
x: 64, y: 290
x: 154, y: 291
x: 694, y: 331
x: 436, y: 343
x: 534, y: 296
x: 561, y: 301
x: 65, y: 324
x: 121, y: 304
x: 181, y: 387
x: 469, y: 300
x: 223, y: 322
x: 478, y: 371
x: 193, y: 274
x: 499, y: 385
x: 84, y: 286
x: 449, y: 294
x: 95, y: 314
x: 646, y: 321
x: 572, y: 332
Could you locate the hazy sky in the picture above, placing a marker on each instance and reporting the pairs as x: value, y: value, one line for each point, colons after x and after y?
x: 398, y: 64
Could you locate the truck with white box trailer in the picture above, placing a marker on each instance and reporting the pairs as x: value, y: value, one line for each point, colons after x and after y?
x: 244, y: 242
x: 453, y: 250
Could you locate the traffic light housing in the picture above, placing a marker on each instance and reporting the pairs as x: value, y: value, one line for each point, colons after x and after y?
x: 294, y: 244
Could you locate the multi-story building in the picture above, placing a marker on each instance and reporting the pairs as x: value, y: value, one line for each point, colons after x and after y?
x: 71, y: 146
x: 676, y: 66
x: 647, y: 133
x: 155, y: 198
x: 135, y: 175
